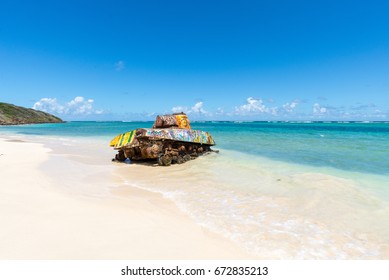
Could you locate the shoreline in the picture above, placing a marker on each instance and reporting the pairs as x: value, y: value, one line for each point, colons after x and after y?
x: 50, y: 217
x: 258, y: 207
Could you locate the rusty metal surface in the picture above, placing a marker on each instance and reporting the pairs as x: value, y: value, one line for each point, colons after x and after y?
x: 172, y: 121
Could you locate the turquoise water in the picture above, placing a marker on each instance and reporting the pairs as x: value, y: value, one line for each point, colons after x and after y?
x: 359, y: 147
x: 280, y: 190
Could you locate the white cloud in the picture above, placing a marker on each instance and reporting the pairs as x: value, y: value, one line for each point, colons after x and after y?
x: 120, y: 65
x: 255, y: 106
x: 252, y: 109
x: 252, y: 105
x: 78, y: 106
x: 317, y: 109
x: 196, y: 109
x: 49, y: 105
x: 289, y: 107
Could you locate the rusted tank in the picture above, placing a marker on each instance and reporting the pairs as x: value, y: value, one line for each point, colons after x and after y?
x: 171, y: 140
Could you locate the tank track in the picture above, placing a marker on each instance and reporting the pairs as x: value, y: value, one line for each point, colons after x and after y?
x: 166, y: 152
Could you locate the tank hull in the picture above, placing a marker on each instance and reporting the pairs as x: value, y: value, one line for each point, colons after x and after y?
x: 167, y: 146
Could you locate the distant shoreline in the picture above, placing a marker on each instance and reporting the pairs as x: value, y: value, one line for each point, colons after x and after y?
x: 15, y: 115
x: 212, y: 121
x: 15, y: 124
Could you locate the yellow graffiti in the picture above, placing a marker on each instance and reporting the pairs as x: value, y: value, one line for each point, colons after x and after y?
x: 115, y: 141
x: 182, y: 121
x: 123, y: 139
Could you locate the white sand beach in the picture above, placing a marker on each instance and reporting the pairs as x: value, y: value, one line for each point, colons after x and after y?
x: 41, y: 218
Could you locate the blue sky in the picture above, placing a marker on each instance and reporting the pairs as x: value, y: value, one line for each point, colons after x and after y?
x: 219, y: 60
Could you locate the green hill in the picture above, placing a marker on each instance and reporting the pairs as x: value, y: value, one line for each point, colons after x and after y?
x: 11, y: 114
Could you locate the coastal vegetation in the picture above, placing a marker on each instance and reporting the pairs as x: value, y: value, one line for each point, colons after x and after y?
x: 12, y: 115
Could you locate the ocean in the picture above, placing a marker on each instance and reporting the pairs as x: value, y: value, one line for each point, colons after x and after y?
x: 282, y: 190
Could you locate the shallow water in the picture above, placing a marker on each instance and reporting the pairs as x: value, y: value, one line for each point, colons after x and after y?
x: 281, y: 190
x: 272, y: 209
x: 353, y: 146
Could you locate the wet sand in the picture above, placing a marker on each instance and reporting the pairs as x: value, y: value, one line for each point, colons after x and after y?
x: 55, y: 206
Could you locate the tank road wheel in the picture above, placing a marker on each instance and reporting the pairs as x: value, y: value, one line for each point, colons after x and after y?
x: 120, y: 156
x: 164, y: 160
x: 160, y: 163
x: 186, y: 158
x: 180, y: 160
